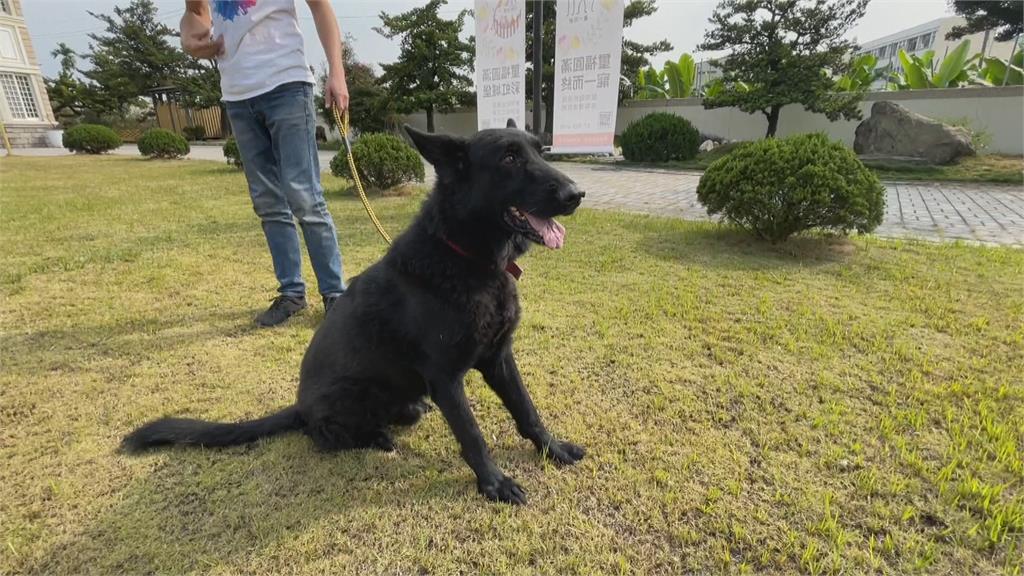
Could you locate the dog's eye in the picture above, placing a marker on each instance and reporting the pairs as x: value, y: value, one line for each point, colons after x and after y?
x: 509, y: 159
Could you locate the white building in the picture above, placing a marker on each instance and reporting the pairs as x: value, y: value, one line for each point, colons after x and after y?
x: 24, y: 106
x: 917, y: 40
x: 930, y: 36
x: 706, y: 73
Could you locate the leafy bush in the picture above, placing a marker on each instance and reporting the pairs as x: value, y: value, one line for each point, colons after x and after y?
x: 660, y: 137
x: 981, y: 139
x: 231, y: 153
x: 776, y: 188
x: 160, y: 143
x: 91, y: 139
x: 194, y: 133
x: 383, y: 161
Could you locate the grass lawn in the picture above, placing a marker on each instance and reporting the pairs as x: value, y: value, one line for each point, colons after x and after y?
x: 823, y: 407
x: 986, y: 168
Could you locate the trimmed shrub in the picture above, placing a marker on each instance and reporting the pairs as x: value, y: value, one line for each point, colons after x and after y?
x: 660, y: 137
x: 776, y: 188
x: 383, y: 160
x: 231, y: 153
x: 91, y: 139
x: 160, y: 143
x: 194, y: 133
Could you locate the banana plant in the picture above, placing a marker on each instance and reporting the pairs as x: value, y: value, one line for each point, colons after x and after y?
x: 681, y: 76
x: 713, y: 88
x: 999, y: 72
x: 955, y: 70
x: 650, y: 85
x: 862, y: 74
x: 675, y: 80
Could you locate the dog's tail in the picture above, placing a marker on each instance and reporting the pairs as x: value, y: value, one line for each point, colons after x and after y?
x: 186, y: 431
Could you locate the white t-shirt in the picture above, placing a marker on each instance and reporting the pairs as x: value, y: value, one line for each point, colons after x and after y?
x: 263, y: 46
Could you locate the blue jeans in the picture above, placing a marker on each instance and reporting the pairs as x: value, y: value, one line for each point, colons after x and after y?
x: 276, y: 135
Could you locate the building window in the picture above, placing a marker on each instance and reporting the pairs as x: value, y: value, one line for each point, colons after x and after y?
x: 9, y: 46
x: 5, y: 6
x: 926, y: 40
x: 881, y: 52
x: 912, y: 44
x: 21, y: 99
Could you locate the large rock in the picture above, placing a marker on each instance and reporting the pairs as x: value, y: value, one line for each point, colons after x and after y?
x: 892, y: 130
x: 707, y: 146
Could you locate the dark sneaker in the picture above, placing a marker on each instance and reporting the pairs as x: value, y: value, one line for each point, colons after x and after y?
x: 329, y: 302
x: 282, y: 308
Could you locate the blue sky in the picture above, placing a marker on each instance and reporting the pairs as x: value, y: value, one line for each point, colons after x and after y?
x: 682, y: 22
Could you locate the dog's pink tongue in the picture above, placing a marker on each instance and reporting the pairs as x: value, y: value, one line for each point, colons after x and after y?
x: 549, y: 229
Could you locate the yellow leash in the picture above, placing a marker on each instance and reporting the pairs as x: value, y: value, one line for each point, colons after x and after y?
x: 342, y: 120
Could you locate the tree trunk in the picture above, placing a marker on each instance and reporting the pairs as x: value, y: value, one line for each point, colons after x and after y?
x: 773, y: 121
x: 430, y: 119
x: 549, y: 119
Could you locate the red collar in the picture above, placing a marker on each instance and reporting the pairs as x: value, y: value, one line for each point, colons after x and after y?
x: 512, y: 268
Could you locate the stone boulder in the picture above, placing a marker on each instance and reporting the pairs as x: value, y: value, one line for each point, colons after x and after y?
x: 892, y: 130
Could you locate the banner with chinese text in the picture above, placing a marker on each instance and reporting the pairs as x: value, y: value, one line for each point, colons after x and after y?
x: 500, y: 62
x: 588, y: 53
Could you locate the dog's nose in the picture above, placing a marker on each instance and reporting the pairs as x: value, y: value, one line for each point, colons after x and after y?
x: 572, y: 195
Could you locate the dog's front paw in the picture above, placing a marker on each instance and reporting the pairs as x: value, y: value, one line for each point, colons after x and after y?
x: 503, y: 489
x: 563, y: 452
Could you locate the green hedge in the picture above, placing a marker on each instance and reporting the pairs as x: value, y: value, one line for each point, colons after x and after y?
x: 777, y: 188
x: 160, y: 143
x: 383, y: 161
x: 231, y: 153
x: 660, y: 137
x: 91, y: 139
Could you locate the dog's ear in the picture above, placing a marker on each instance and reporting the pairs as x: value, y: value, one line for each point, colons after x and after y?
x: 511, y: 123
x: 447, y: 154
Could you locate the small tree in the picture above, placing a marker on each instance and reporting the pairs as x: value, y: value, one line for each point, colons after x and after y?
x: 432, y: 70
x: 784, y: 52
x: 199, y: 84
x: 370, y: 107
x: 1006, y: 17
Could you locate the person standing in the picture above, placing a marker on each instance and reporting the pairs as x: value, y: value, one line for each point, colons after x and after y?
x: 267, y: 89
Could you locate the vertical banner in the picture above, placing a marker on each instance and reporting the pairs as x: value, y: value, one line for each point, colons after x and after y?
x: 500, y: 62
x: 588, y: 54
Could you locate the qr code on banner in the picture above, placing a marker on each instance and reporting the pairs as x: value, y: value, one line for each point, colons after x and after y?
x: 605, y: 118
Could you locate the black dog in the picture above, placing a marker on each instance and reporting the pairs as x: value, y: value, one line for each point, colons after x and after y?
x: 442, y: 301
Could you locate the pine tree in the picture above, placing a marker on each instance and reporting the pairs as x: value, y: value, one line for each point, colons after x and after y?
x: 433, y: 68
x: 133, y: 55
x: 784, y: 52
x: 1006, y: 17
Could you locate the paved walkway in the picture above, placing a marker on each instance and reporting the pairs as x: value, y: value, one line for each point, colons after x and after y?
x: 991, y: 214
x: 988, y: 213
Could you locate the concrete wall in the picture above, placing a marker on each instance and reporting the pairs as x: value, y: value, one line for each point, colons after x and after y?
x: 461, y: 121
x: 997, y: 111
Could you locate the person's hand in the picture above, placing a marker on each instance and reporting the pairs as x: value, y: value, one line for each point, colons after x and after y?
x: 202, y: 46
x: 336, y: 91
